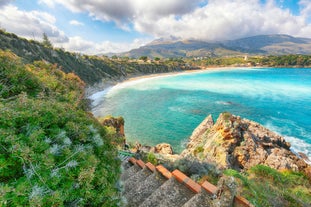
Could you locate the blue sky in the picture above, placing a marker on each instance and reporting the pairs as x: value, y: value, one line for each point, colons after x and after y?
x: 93, y: 27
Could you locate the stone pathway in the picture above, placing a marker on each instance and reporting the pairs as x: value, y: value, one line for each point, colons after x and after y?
x: 146, y: 185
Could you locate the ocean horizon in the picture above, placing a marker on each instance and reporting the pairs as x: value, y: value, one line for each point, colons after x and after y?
x: 167, y: 108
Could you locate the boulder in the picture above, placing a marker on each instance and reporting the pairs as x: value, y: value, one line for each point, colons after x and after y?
x: 163, y: 148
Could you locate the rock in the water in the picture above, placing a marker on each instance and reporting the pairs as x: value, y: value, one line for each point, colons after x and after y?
x: 238, y: 143
x: 163, y: 148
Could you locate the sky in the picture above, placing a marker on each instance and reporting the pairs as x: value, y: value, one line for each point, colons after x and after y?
x: 103, y: 26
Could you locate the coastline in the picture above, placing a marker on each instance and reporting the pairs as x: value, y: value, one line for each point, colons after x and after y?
x: 97, y: 97
x: 106, y: 85
x: 110, y: 83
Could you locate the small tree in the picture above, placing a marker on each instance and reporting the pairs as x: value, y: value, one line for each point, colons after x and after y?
x: 46, y: 42
x: 144, y: 58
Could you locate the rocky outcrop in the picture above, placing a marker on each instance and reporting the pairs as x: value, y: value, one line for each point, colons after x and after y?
x: 117, y: 123
x: 233, y: 142
x: 163, y: 148
x: 197, y: 134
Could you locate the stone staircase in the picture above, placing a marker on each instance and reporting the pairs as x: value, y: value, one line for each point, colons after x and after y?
x: 146, y: 185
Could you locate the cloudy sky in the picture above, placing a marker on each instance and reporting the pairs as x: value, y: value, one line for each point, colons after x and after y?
x: 101, y: 26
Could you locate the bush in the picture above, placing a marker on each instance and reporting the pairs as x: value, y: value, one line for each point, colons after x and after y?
x: 152, y: 158
x: 264, y: 186
x: 52, y: 153
x: 14, y: 78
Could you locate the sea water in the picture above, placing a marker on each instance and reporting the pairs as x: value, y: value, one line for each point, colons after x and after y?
x: 167, y: 109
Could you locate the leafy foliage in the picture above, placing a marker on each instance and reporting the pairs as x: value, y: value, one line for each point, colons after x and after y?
x: 152, y: 158
x: 267, y: 61
x: 52, y: 153
x: 264, y: 186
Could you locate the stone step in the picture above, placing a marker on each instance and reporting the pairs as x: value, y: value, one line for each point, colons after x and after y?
x: 205, y: 197
x: 134, y: 181
x: 172, y: 193
x: 127, y: 163
x: 146, y: 187
x: 202, y: 199
x: 130, y: 171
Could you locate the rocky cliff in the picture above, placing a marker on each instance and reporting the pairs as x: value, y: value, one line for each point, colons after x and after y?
x: 233, y: 142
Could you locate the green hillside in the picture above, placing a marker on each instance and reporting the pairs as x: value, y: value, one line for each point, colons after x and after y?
x: 52, y: 152
x: 91, y: 69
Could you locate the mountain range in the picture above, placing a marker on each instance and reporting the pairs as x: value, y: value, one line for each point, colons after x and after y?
x: 277, y: 44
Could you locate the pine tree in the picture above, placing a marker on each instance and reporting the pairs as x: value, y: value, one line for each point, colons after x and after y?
x: 46, y: 42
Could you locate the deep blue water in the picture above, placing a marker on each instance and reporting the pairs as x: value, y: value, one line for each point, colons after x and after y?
x: 168, y: 109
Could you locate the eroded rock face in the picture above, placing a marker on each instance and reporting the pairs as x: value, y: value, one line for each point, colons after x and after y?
x: 163, y: 148
x: 233, y: 142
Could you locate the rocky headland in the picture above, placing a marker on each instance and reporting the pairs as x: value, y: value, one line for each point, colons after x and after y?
x: 236, y: 143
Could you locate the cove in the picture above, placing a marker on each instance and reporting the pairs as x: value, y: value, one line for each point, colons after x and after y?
x: 168, y: 108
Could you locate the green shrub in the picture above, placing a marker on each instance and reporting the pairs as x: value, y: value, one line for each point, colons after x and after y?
x: 198, y: 150
x: 14, y: 78
x: 264, y: 186
x: 152, y: 158
x: 52, y: 153
x: 236, y: 174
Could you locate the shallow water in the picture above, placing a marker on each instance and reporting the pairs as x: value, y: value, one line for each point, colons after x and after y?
x: 168, y: 109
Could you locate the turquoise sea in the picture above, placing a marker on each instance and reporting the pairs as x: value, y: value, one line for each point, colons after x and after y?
x: 169, y: 108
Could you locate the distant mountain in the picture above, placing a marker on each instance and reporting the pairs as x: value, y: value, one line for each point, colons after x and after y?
x: 262, y: 44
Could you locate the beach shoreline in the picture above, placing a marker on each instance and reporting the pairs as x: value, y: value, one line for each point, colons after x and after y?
x: 107, y: 85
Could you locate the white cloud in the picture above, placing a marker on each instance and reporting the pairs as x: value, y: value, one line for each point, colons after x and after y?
x: 196, y: 19
x: 76, y: 23
x: 227, y: 19
x: 33, y: 24
x: 216, y: 20
x: 125, y: 12
x: 4, y: 2
x: 305, y: 8
x: 30, y: 24
x: 78, y: 44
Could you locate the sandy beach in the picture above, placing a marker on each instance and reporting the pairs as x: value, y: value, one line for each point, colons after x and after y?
x: 100, y: 89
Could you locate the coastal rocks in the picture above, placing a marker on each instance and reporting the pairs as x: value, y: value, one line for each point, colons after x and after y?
x: 233, y: 142
x: 196, y: 137
x: 163, y: 148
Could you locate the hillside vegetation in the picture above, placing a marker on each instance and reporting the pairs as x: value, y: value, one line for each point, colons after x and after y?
x: 91, y: 69
x: 52, y: 152
x: 262, y: 61
x: 264, y: 186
